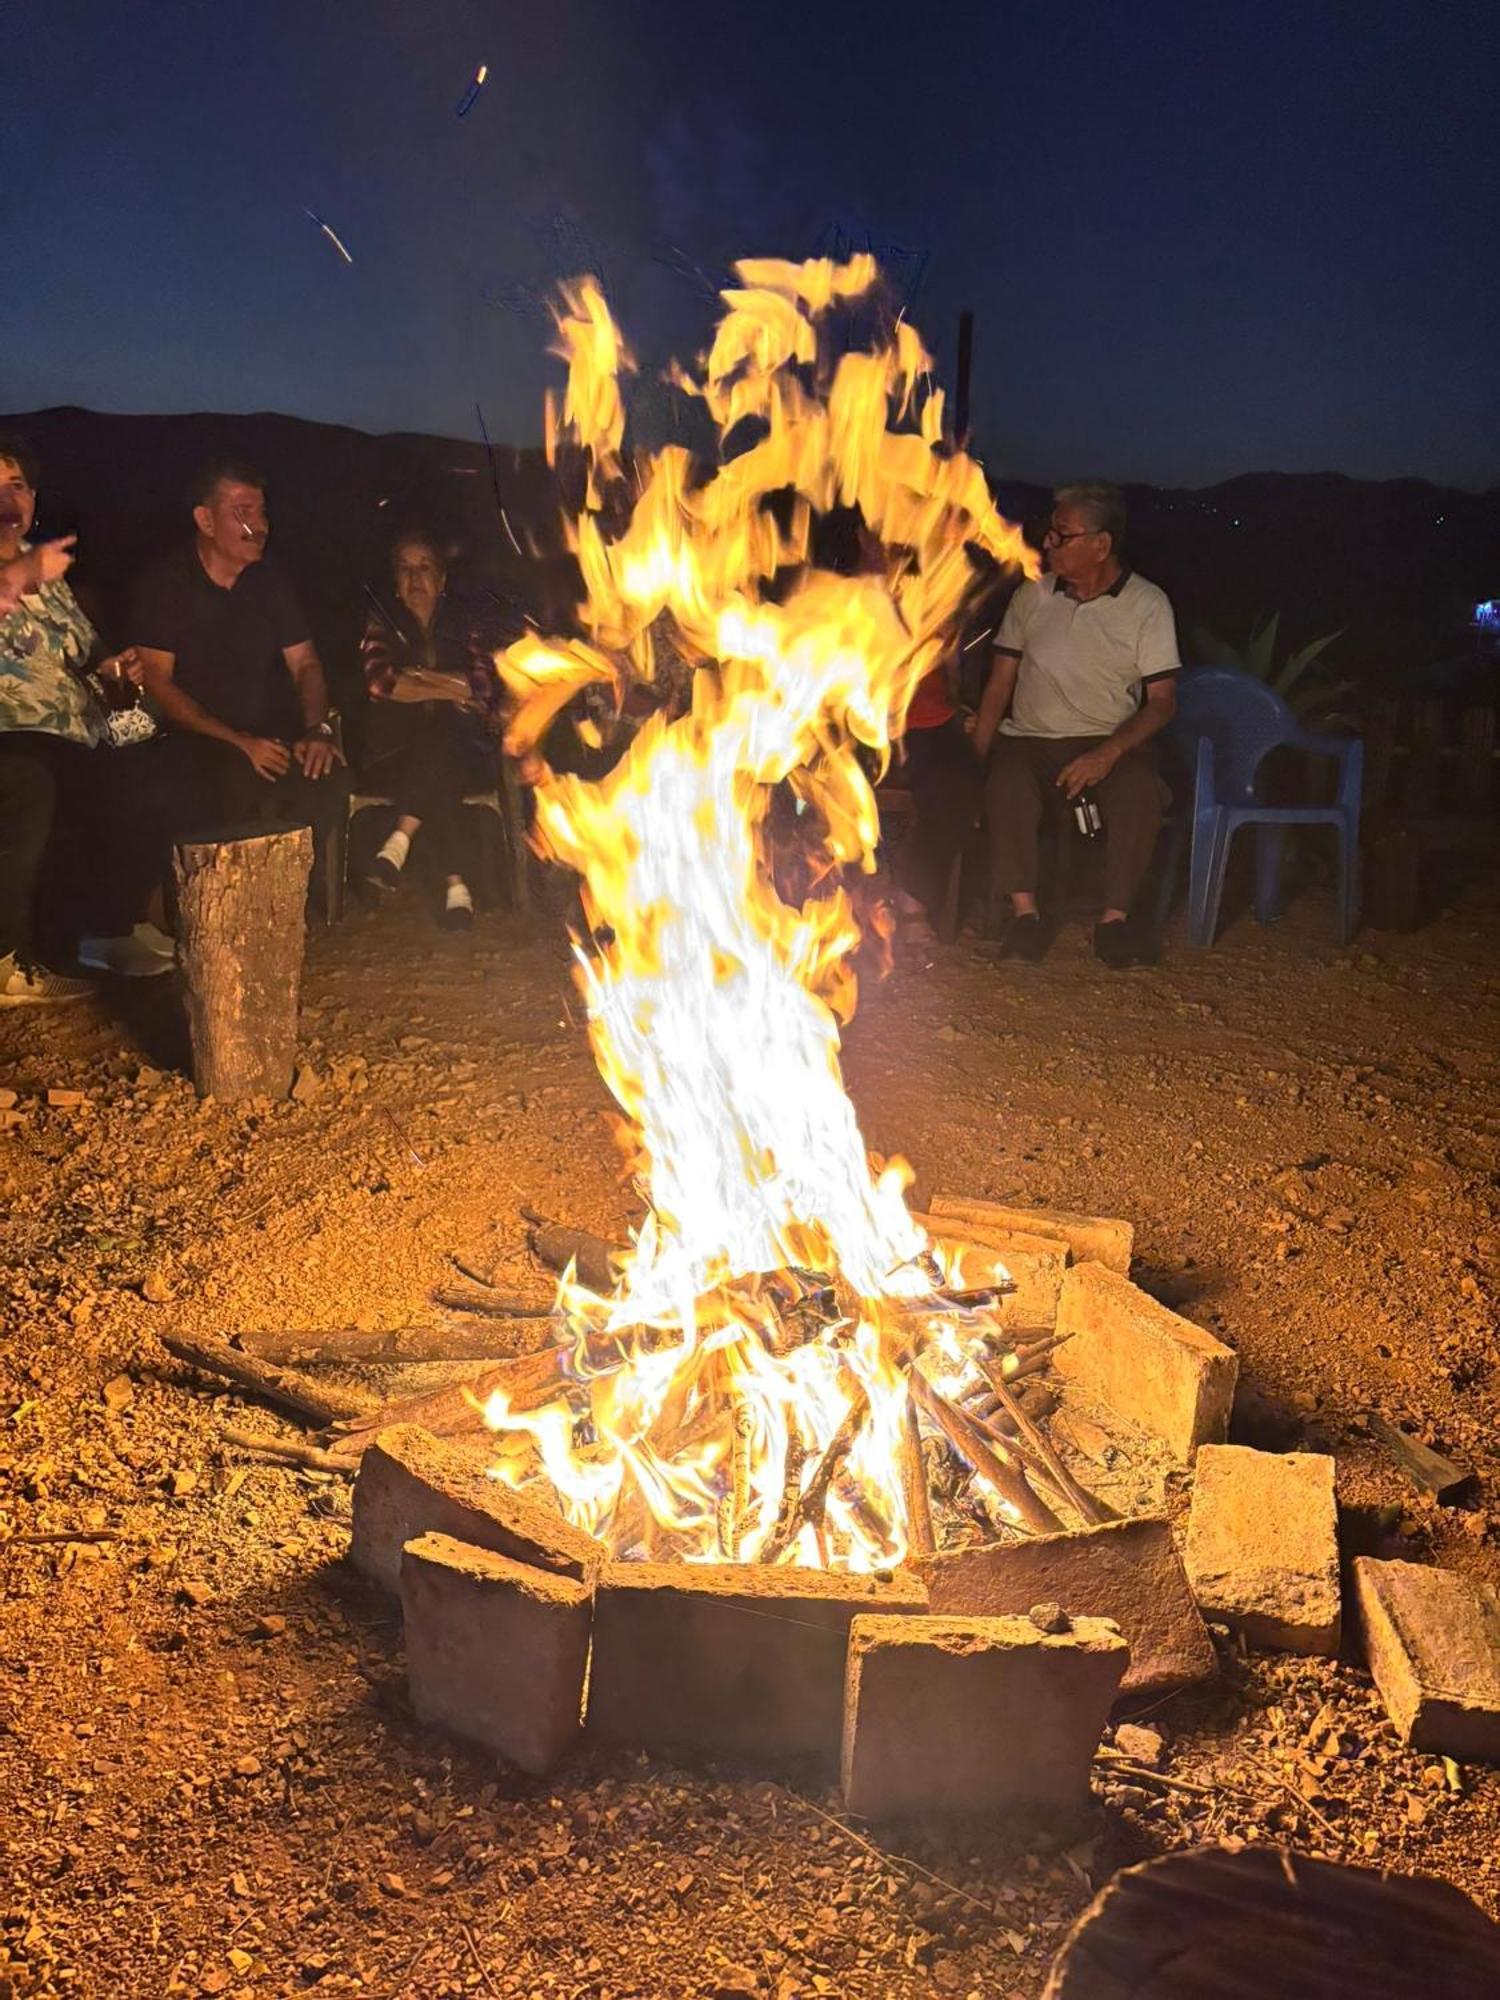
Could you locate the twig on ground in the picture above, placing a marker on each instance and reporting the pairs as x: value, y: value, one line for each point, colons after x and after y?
x: 37, y: 1541
x: 286, y: 1451
x: 480, y: 1966
x: 314, y: 1402
x: 895, y: 1860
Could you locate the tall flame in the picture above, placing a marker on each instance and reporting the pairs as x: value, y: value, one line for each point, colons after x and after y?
x: 759, y: 1338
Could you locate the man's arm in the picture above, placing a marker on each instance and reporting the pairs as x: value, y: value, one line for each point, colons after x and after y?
x: 1153, y: 715
x: 995, y: 700
x: 314, y: 749
x: 269, y: 758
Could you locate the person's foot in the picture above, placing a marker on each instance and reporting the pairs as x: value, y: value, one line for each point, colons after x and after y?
x: 384, y: 871
x: 127, y: 957
x: 155, y: 939
x: 458, y: 907
x: 25, y: 985
x: 1115, y: 945
x: 1025, y: 939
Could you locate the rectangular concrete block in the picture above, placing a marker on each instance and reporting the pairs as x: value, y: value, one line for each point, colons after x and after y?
x: 721, y: 1659
x: 964, y: 1716
x: 1103, y: 1239
x: 1433, y: 1642
x: 1128, y: 1571
x: 411, y: 1483
x: 1156, y: 1369
x: 1035, y: 1264
x: 495, y: 1651
x: 1262, y: 1546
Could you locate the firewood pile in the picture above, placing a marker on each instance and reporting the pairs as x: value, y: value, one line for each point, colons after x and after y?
x: 977, y: 1464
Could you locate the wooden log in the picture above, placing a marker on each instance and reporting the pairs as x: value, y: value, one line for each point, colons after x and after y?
x: 489, y: 1304
x: 919, y: 1530
x: 242, y: 906
x: 395, y: 1343
x: 993, y: 1461
x: 286, y: 1451
x: 315, y: 1402
x: 1249, y: 1924
x: 1083, y: 1503
x: 1442, y: 1477
x: 595, y: 1261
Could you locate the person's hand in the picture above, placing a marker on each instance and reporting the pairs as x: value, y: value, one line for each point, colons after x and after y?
x: 51, y: 561
x: 269, y: 759
x: 125, y: 666
x: 1085, y: 770
x: 316, y: 754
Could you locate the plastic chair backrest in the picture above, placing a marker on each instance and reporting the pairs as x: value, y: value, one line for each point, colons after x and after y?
x: 1240, y: 716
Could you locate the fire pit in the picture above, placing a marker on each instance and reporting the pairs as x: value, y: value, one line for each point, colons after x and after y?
x: 765, y: 1426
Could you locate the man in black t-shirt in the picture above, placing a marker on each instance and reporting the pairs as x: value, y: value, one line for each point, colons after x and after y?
x: 229, y: 664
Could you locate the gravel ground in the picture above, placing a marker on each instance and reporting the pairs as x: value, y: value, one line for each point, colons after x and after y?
x: 209, y: 1778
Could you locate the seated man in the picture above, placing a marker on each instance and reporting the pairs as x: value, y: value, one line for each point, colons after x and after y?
x: 429, y: 733
x: 229, y: 664
x: 1082, y: 681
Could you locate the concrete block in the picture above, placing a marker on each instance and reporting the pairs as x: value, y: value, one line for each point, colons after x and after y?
x: 1128, y: 1571
x: 1262, y: 1546
x: 411, y: 1483
x: 963, y: 1716
x: 724, y: 1659
x: 1156, y: 1369
x: 1035, y: 1264
x: 1102, y: 1239
x: 495, y: 1651
x: 1433, y: 1641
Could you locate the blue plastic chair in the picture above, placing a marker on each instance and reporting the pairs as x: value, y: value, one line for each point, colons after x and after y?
x: 1226, y: 724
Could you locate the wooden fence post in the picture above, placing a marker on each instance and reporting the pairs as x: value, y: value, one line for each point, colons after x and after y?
x: 243, y: 909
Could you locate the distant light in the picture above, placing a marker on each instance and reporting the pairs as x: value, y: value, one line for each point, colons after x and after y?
x: 471, y: 96
x: 314, y: 217
x: 1487, y: 614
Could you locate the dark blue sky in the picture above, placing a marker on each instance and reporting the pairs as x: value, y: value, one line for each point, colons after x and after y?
x: 1198, y: 240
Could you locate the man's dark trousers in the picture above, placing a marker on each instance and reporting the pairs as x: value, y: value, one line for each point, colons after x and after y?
x: 1022, y: 784
x: 201, y: 786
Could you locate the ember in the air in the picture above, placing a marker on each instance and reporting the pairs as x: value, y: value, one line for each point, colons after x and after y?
x: 747, y: 1390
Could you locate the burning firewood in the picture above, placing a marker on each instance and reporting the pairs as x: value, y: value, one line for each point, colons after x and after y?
x: 989, y: 1457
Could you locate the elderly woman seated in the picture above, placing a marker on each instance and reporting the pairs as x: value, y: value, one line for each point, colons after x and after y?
x: 432, y: 722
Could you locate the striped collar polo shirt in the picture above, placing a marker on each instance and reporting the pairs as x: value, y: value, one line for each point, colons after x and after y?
x: 1084, y: 663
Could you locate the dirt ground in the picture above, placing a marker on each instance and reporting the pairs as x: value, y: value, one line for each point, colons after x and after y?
x: 210, y: 1781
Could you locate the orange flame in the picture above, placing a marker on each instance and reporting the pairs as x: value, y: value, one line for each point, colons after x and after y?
x: 714, y: 1006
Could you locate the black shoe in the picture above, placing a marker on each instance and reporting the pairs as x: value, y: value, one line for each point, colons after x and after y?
x: 1025, y: 939
x: 383, y: 874
x: 1115, y: 945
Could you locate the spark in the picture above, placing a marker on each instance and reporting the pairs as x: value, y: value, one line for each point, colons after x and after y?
x: 317, y: 219
x: 471, y: 96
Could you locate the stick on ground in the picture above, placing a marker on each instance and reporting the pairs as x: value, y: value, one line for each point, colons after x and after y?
x: 314, y: 1402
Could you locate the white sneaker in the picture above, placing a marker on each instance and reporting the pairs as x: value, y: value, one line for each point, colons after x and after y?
x: 127, y: 957
x: 155, y: 940
x: 24, y: 985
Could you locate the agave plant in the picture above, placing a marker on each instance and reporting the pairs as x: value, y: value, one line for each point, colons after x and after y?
x: 1298, y: 679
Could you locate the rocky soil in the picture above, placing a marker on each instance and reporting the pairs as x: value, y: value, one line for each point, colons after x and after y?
x: 210, y: 1782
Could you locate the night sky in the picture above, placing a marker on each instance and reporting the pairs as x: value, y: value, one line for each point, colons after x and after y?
x: 1197, y: 240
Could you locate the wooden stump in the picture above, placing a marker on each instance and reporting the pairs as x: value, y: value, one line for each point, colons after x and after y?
x: 243, y: 903
x: 1261, y: 1923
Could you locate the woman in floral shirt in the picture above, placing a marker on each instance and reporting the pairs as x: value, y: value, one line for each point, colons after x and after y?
x: 49, y: 718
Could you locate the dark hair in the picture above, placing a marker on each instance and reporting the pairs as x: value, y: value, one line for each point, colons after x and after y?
x: 421, y: 538
x: 1102, y: 506
x: 214, y: 471
x: 18, y: 449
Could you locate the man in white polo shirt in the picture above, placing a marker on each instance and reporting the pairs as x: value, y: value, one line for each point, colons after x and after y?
x: 1082, y: 681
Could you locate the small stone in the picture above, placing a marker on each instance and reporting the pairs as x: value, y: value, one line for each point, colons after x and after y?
x: 240, y: 1960
x: 270, y: 1625
x: 248, y: 1766
x: 306, y: 1083
x: 1139, y: 1744
x: 181, y: 1481
x: 156, y: 1287
x: 392, y: 1883
x: 7, y: 1099
x: 1049, y: 1618
x: 196, y: 1593
x: 118, y: 1392
x: 68, y: 1100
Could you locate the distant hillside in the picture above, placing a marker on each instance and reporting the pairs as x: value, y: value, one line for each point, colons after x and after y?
x: 1397, y: 564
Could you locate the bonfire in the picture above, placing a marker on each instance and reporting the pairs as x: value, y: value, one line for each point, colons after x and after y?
x: 784, y: 1343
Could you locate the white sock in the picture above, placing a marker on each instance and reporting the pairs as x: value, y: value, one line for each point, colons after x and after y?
x: 458, y: 897
x: 396, y: 849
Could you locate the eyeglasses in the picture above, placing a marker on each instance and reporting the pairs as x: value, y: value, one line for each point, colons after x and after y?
x: 1054, y: 537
